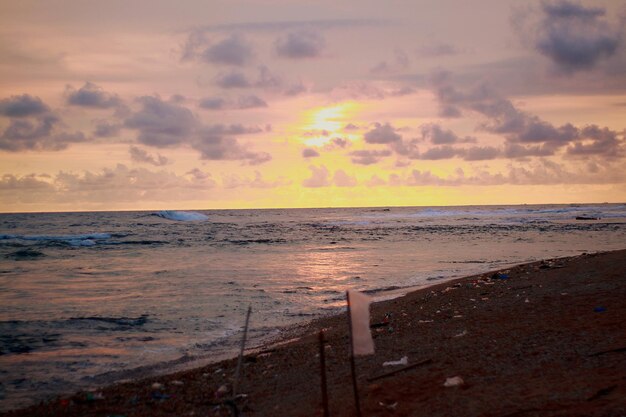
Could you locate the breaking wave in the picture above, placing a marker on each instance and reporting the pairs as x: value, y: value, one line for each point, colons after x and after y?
x: 181, y: 216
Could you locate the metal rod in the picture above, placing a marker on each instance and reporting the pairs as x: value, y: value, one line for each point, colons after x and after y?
x: 243, y: 346
x: 323, y: 374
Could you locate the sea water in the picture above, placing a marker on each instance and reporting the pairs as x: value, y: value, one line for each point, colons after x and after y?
x: 87, y: 299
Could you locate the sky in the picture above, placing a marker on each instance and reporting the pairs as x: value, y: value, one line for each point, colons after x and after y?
x: 210, y: 104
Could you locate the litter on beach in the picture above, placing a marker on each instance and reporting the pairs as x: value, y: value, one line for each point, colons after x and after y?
x: 455, y: 381
x: 402, y: 361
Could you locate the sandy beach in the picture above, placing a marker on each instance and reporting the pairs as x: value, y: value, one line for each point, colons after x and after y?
x: 540, y: 339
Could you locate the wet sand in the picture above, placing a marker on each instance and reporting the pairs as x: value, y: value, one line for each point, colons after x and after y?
x: 540, y: 339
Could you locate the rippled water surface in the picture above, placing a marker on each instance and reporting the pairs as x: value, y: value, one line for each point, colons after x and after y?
x: 91, y: 298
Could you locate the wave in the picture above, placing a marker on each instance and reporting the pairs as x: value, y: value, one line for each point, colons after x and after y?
x: 181, y: 216
x: 89, y: 239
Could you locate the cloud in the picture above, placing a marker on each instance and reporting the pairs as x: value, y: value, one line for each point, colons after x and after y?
x: 340, y: 142
x: 375, y: 181
x: 319, y: 177
x: 232, y: 129
x: 233, y: 50
x: 142, y: 156
x: 22, y: 106
x: 299, y: 45
x: 436, y: 50
x: 105, y: 129
x: 438, y: 136
x: 599, y: 141
x: 37, y: 135
x: 368, y: 157
x: 400, y: 62
x: 214, y: 144
x: 341, y: 179
x: 310, y: 153
x: 213, y: 103
x: 481, y: 153
x: 235, y: 181
x: 233, y: 79
x: 90, y: 95
x: 525, y: 133
x: 574, y: 37
x: 250, y: 102
x: 28, y: 183
x: 123, y: 184
x: 382, y: 134
x: 236, y: 79
x: 441, y: 152
x: 245, y: 102
x: 161, y: 124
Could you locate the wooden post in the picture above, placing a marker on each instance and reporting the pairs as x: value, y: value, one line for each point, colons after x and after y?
x: 243, y: 346
x: 323, y: 374
x: 355, y: 386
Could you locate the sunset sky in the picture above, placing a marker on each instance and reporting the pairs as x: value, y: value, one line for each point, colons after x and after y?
x: 201, y: 104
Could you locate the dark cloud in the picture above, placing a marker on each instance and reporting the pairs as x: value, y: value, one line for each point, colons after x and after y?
x: 233, y: 79
x: 213, y: 103
x: 382, y: 134
x: 299, y: 45
x: 105, y: 129
x: 91, y: 95
x: 250, y: 102
x: 232, y: 129
x: 319, y: 177
x: 481, y: 153
x: 161, y: 124
x: 599, y: 141
x: 439, y: 136
x: 177, y: 99
x: 441, y: 152
x: 22, y: 106
x: 574, y: 37
x: 215, y: 143
x: 142, y: 156
x: 513, y: 150
x: 368, y: 157
x: 38, y: 134
x: 525, y: 133
x: 310, y: 153
x: 350, y: 126
x: 230, y: 51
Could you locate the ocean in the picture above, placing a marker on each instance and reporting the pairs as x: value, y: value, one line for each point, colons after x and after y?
x: 92, y: 298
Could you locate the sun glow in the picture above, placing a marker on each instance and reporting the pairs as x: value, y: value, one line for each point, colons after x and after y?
x: 319, y: 125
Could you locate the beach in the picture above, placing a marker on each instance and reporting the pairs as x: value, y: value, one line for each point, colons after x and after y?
x: 544, y: 338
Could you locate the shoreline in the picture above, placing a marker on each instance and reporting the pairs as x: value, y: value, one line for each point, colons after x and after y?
x: 516, y: 340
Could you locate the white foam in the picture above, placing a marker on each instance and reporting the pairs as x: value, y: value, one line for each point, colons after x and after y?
x: 183, y: 216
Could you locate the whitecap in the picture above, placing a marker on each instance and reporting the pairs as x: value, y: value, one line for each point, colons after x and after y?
x: 183, y: 216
